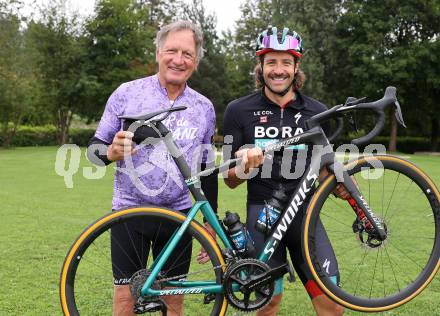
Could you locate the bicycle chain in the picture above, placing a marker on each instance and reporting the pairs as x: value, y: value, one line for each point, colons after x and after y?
x: 229, y: 258
x: 185, y: 275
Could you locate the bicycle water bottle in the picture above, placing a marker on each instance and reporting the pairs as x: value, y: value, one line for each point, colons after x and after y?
x: 271, y: 211
x: 239, y: 235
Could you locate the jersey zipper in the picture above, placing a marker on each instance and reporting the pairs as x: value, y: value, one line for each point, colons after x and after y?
x: 282, y: 116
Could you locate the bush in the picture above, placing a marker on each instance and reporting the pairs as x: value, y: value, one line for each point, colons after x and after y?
x: 81, y: 136
x: 47, y: 136
x: 405, y: 144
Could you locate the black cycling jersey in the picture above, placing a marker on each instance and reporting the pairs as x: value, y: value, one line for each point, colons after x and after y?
x: 255, y: 120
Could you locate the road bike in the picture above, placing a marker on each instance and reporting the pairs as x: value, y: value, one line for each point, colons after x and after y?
x: 385, y: 236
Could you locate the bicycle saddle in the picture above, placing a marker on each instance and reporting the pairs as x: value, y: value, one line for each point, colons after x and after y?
x: 149, y: 116
x: 141, y: 129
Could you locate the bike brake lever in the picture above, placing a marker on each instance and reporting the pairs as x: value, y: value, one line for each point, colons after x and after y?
x: 353, y: 101
x: 398, y: 114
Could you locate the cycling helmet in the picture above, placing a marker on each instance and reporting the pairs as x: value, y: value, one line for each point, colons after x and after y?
x: 272, y: 40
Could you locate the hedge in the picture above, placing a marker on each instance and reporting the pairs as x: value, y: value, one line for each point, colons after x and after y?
x: 46, y: 136
x: 405, y: 144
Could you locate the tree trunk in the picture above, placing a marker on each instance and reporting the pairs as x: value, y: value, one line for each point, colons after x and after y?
x: 6, y: 140
x: 63, y: 123
x: 434, y: 133
x: 392, y: 146
x: 8, y: 135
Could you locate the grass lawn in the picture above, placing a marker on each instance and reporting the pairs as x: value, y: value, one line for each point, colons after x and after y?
x: 41, y: 217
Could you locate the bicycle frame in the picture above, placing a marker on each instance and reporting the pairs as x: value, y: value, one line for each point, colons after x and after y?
x: 323, y: 156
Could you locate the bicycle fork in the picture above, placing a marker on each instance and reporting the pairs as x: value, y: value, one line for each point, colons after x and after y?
x: 366, y: 220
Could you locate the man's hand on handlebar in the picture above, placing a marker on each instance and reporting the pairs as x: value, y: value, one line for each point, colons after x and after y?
x: 251, y: 158
x: 341, y: 192
x: 121, y: 146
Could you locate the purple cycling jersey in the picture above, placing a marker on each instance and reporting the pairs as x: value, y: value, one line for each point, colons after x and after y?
x: 150, y: 176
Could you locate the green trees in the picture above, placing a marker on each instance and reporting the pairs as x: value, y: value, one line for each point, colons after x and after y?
x: 60, y: 67
x: 356, y: 48
x: 210, y: 77
x: 118, y: 43
x: 383, y: 43
x: 16, y: 72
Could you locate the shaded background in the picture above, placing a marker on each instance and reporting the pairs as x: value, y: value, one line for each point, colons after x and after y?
x: 57, y: 68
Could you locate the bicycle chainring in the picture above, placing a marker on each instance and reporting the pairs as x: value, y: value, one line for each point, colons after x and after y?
x: 234, y: 283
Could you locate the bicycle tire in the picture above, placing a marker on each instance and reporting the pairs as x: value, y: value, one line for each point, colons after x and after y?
x: 71, y: 289
x: 420, y: 204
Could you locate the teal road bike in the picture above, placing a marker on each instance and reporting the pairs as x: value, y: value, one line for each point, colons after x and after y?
x: 385, y: 237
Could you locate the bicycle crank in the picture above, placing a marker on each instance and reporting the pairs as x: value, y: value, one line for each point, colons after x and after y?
x: 249, y: 284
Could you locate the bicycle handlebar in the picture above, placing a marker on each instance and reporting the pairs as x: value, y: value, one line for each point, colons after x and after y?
x: 377, y: 107
x: 339, y: 128
x: 337, y: 112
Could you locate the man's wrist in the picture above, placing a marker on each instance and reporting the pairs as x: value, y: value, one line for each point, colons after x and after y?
x: 97, y: 152
x: 110, y: 153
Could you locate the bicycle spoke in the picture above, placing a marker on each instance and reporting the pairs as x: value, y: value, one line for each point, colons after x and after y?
x: 369, y: 187
x: 349, y: 211
x: 403, y: 253
x: 383, y: 192
x: 392, y: 194
x: 392, y: 268
x: 357, y: 268
x: 182, y: 252
x: 94, y: 262
x: 174, y: 266
x: 429, y: 213
x: 400, y: 200
x: 123, y: 250
x: 156, y: 235
x: 132, y: 244
x: 374, y: 273
x: 337, y: 221
x: 383, y: 272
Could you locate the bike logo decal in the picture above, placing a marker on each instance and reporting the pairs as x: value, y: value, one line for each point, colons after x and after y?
x: 291, y: 211
x: 374, y: 217
x: 275, y: 132
x: 192, y: 180
x: 263, y: 142
x: 297, y: 117
x: 181, y: 291
x: 282, y: 144
x: 326, y: 265
x: 258, y: 113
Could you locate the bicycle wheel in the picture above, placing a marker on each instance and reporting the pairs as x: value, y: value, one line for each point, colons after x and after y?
x: 86, y: 285
x: 377, y: 276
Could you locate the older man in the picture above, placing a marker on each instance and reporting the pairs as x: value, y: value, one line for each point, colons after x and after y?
x: 178, y: 52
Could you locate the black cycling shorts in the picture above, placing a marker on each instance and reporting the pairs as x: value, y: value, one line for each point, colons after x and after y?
x: 292, y: 242
x: 131, y: 244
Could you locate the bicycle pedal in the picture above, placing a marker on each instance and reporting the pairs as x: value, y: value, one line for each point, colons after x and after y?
x: 142, y: 306
x: 209, y: 297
